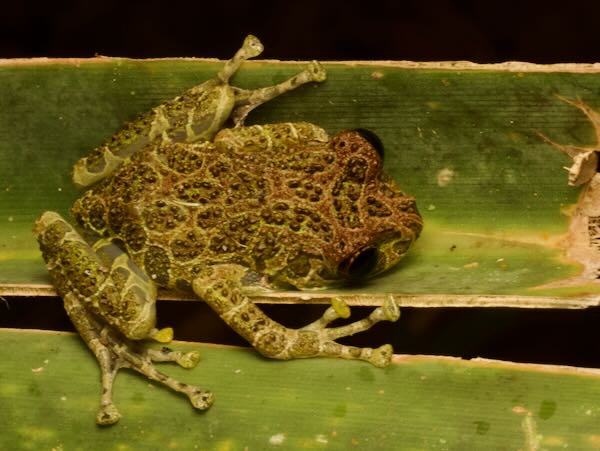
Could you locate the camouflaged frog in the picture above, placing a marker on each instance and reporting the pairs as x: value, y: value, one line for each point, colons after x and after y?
x: 176, y: 200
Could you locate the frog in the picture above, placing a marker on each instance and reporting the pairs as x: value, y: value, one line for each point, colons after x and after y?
x: 188, y: 198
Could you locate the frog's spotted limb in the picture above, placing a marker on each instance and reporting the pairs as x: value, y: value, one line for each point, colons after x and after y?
x: 114, y: 352
x: 250, y: 48
x: 246, y: 101
x: 273, y: 340
x: 196, y: 115
x: 102, y: 280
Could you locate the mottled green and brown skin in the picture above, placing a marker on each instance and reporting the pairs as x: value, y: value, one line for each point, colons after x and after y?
x: 178, y: 201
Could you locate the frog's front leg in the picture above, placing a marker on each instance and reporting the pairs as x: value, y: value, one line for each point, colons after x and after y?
x: 111, y: 303
x: 247, y: 100
x: 222, y: 290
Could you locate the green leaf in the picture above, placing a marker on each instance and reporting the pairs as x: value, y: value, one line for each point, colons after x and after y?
x: 492, y: 230
x: 50, y: 393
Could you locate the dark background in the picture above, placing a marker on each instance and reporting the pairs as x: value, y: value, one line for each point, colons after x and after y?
x: 478, y: 31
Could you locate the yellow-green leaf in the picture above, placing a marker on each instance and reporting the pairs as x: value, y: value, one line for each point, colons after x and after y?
x: 50, y: 389
x: 462, y: 138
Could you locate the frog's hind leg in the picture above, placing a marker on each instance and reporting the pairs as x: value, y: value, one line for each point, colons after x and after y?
x: 111, y: 303
x: 114, y: 352
x: 224, y: 295
x: 247, y: 100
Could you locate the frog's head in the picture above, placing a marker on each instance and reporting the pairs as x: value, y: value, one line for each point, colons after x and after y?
x: 364, y: 223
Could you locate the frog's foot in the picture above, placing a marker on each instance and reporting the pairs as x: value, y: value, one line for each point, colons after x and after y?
x: 113, y: 352
x: 224, y: 295
x: 247, y: 100
x: 325, y: 337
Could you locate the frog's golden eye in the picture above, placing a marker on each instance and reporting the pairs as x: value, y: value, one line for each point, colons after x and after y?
x: 360, y: 264
x: 372, y: 139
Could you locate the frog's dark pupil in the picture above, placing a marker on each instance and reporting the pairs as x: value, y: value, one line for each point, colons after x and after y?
x: 372, y: 139
x: 360, y: 265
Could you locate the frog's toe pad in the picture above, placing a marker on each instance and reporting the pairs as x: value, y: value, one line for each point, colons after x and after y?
x: 317, y: 71
x: 189, y: 359
x: 341, y: 308
x: 164, y: 335
x: 107, y: 415
x: 382, y: 356
x: 202, y: 400
x: 391, y: 310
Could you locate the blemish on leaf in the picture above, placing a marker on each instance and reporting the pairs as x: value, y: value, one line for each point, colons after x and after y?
x: 277, y: 439
x: 321, y: 438
x: 340, y: 410
x: 547, y: 409
x: 482, y: 427
x: 366, y: 374
x: 444, y: 177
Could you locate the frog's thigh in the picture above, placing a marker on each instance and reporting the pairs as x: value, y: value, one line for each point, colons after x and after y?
x: 224, y: 295
x: 105, y: 279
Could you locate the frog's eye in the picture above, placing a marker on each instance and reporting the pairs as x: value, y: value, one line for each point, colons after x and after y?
x: 372, y: 139
x: 360, y: 264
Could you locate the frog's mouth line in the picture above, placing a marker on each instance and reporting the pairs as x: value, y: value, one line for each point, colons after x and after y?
x: 358, y: 267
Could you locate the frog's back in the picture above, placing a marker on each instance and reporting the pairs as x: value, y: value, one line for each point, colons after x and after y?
x: 177, y: 206
x: 282, y: 200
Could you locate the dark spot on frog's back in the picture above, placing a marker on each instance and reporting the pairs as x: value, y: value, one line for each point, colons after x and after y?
x: 157, y: 265
x: 134, y: 235
x: 181, y: 158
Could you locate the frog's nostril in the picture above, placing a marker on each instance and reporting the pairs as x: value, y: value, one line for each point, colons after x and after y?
x: 372, y: 139
x: 360, y: 264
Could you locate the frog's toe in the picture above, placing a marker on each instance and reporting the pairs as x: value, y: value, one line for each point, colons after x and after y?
x: 188, y: 359
x: 164, y: 335
x: 390, y: 309
x: 252, y: 46
x: 317, y: 71
x: 107, y: 415
x: 341, y: 308
x: 381, y: 356
x: 201, y: 400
